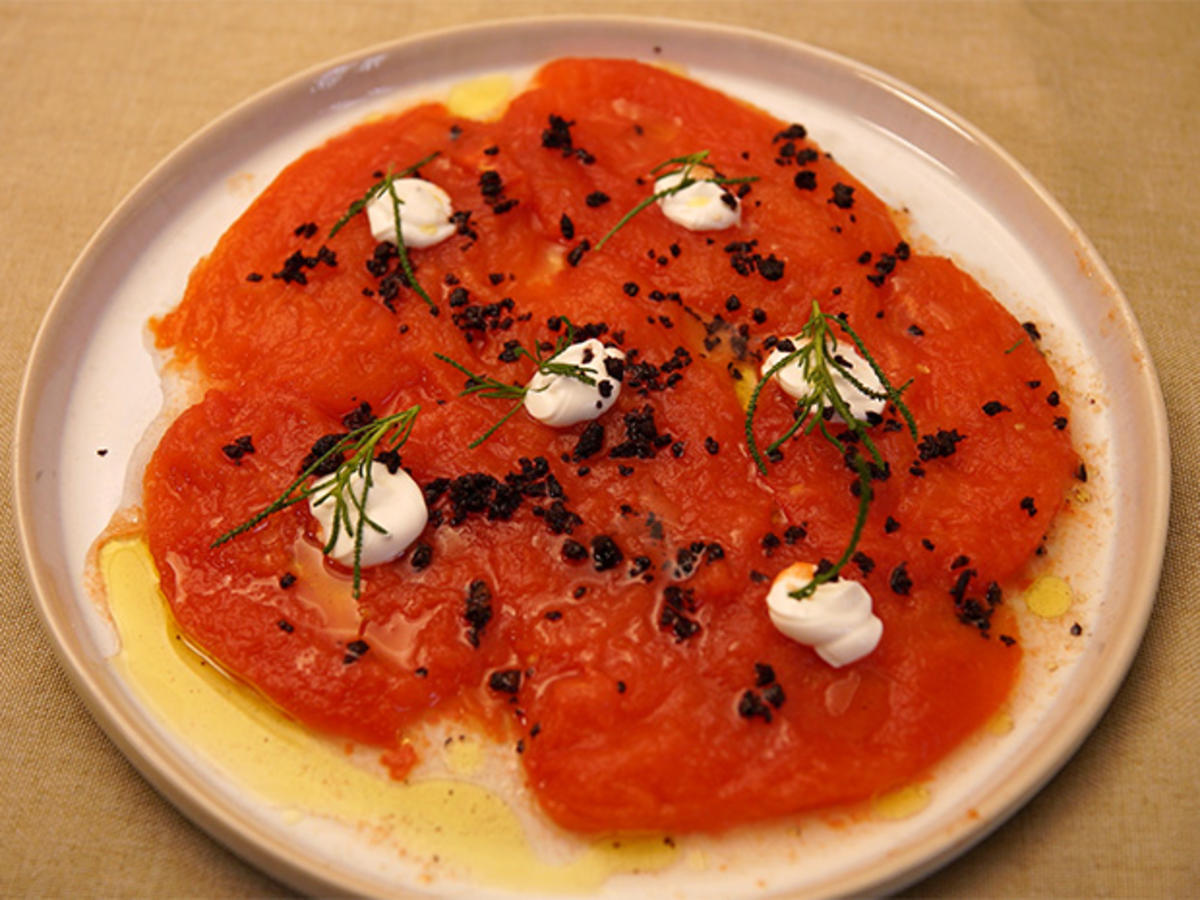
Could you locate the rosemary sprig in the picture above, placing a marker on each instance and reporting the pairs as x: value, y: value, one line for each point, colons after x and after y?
x: 376, y: 189
x: 385, y: 434
x: 684, y: 164
x: 491, y: 389
x: 387, y: 184
x: 816, y: 353
x: 402, y: 251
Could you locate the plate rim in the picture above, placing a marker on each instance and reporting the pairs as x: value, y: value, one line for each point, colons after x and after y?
x: 261, y: 848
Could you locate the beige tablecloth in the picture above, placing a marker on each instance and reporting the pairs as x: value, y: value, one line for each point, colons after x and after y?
x: 1099, y: 100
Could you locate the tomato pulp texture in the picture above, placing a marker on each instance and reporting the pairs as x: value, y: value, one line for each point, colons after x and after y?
x: 643, y: 683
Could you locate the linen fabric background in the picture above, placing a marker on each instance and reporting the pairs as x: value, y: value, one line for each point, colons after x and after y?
x: 1100, y: 101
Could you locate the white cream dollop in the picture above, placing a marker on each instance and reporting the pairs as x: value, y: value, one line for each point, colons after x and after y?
x: 791, y: 379
x: 395, y: 502
x: 703, y: 206
x: 836, y: 621
x: 561, y: 400
x: 425, y: 211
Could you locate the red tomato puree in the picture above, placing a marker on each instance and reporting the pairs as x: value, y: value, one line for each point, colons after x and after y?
x: 622, y: 676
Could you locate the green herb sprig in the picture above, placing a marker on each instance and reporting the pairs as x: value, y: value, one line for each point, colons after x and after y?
x: 816, y: 353
x: 492, y: 389
x: 387, y: 184
x: 384, y: 435
x: 684, y: 164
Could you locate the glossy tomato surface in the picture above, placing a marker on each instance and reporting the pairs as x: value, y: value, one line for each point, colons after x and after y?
x: 622, y: 675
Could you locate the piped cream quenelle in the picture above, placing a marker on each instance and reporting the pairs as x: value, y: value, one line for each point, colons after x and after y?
x: 425, y: 211
x: 393, y: 515
x: 794, y: 380
x: 837, y: 620
x: 561, y: 400
x: 702, y: 206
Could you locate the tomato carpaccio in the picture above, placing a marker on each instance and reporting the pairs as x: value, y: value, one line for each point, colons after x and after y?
x: 624, y: 719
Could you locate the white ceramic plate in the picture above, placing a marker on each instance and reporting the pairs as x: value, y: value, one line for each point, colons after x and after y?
x: 91, y: 384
